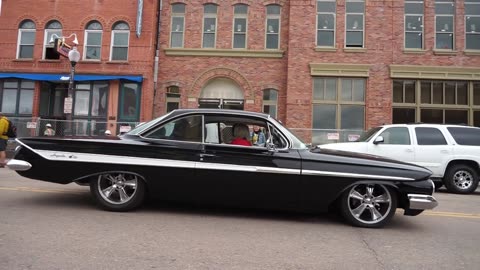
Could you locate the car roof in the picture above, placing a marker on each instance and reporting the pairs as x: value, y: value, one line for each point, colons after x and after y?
x: 219, y: 111
x: 426, y: 125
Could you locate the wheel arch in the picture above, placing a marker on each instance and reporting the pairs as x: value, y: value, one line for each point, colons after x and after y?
x: 85, y: 180
x: 473, y: 164
x: 389, y: 184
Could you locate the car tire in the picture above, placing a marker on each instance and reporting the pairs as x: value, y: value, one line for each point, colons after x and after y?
x: 118, y: 191
x: 461, y: 179
x: 368, y: 205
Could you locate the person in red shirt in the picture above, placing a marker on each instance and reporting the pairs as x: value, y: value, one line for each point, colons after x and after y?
x: 241, y: 135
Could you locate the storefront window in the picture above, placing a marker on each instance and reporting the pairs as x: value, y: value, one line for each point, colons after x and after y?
x: 16, y: 97
x: 129, y: 101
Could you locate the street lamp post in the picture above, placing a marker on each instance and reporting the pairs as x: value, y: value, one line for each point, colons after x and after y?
x: 74, y: 57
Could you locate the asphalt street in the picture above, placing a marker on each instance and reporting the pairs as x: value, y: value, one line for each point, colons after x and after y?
x: 51, y: 226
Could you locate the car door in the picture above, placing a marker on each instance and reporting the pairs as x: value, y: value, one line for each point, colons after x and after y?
x: 432, y: 149
x: 251, y: 176
x: 396, y: 144
x: 174, y: 146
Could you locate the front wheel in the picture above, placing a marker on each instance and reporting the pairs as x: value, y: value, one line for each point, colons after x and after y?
x: 461, y: 179
x: 368, y: 205
x: 118, y: 191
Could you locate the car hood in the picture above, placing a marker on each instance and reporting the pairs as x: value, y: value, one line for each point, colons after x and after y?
x: 362, y: 164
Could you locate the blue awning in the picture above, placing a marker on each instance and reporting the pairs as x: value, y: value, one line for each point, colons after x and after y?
x: 62, y: 77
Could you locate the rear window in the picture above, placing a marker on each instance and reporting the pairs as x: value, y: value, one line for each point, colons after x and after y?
x: 429, y: 136
x: 465, y: 136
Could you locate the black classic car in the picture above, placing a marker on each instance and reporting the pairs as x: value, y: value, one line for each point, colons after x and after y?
x: 187, y: 155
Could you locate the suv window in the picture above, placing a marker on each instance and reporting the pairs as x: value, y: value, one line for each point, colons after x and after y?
x: 465, y: 136
x: 396, y: 135
x: 429, y: 136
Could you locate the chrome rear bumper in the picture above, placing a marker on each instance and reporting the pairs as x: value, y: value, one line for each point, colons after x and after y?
x: 18, y: 165
x: 422, y: 202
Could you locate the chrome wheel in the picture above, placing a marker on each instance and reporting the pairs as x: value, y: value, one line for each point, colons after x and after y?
x: 117, y: 188
x: 463, y: 179
x: 369, y: 203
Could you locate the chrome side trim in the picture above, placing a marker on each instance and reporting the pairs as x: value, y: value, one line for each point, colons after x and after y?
x: 422, y: 202
x: 356, y: 175
x: 231, y: 167
x: 18, y: 165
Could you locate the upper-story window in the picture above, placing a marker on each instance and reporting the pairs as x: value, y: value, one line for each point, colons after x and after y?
x: 273, y: 27
x: 173, y: 98
x: 355, y: 19
x: 326, y: 12
x: 120, y: 41
x: 472, y: 24
x: 93, y: 41
x: 178, y: 25
x: 209, y: 25
x: 414, y: 11
x: 240, y: 15
x: 270, y: 102
x: 444, y: 24
x: 52, y: 28
x: 26, y: 39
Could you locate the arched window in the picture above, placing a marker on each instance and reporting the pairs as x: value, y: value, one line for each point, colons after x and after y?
x: 53, y: 30
x: 270, y: 102
x: 177, y: 26
x: 93, y: 41
x: 240, y: 18
x: 173, y: 98
x: 272, y: 29
x: 209, y: 25
x: 26, y: 39
x: 120, y: 41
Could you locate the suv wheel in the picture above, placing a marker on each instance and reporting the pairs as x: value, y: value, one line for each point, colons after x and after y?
x: 461, y: 179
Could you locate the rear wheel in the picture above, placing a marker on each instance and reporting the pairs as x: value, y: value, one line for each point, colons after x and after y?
x: 118, y: 191
x: 461, y: 179
x: 368, y: 205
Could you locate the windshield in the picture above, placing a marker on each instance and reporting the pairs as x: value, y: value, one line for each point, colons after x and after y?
x: 140, y: 128
x: 368, y: 135
x: 296, y: 142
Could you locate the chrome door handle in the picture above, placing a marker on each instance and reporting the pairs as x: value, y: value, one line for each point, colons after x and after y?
x: 206, y: 155
x: 408, y: 150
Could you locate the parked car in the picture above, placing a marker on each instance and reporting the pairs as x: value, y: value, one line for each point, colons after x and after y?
x: 187, y: 156
x: 451, y: 152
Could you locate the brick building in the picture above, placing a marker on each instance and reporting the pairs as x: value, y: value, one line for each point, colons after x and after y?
x: 317, y: 65
x: 113, y: 79
x: 323, y: 65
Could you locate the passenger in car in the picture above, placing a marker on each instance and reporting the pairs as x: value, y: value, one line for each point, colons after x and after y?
x: 241, y: 135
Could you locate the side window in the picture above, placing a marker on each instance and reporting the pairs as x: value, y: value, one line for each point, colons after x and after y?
x: 465, y: 136
x: 184, y: 129
x: 275, y: 137
x: 396, y: 135
x: 212, y: 133
x: 429, y: 136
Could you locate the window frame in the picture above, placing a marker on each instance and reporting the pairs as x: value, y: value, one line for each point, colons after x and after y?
x: 50, y: 32
x: 270, y: 102
x: 205, y: 31
x: 422, y: 32
x: 334, y: 24
x: 86, y: 45
x: 277, y: 17
x: 172, y: 32
x: 363, y: 23
x: 338, y: 102
x: 466, y: 16
x: 451, y: 32
x: 18, y: 95
x: 121, y: 102
x: 245, y: 32
x: 112, y: 42
x: 172, y: 97
x: 19, y: 38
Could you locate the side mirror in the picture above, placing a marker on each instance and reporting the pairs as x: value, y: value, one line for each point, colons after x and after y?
x: 378, y: 140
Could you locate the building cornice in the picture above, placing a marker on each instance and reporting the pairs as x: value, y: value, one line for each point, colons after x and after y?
x: 434, y: 72
x: 337, y: 69
x: 224, y: 52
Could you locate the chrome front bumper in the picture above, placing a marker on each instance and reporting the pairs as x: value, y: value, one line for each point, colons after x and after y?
x: 422, y: 202
x: 18, y: 165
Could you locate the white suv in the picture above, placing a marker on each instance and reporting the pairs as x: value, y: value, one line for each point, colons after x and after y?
x: 451, y: 152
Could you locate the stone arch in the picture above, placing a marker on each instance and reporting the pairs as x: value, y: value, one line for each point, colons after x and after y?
x: 88, y: 19
x: 245, y: 2
x: 274, y: 2
x: 53, y: 18
x: 118, y: 18
x: 34, y: 19
x: 221, y: 72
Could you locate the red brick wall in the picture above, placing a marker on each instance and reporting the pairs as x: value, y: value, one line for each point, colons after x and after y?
x: 74, y: 15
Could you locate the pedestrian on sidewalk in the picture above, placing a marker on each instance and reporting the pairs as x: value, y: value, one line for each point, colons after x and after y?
x: 49, y: 131
x: 3, y: 139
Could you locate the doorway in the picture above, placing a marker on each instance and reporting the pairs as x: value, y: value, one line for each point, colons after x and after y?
x: 222, y: 93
